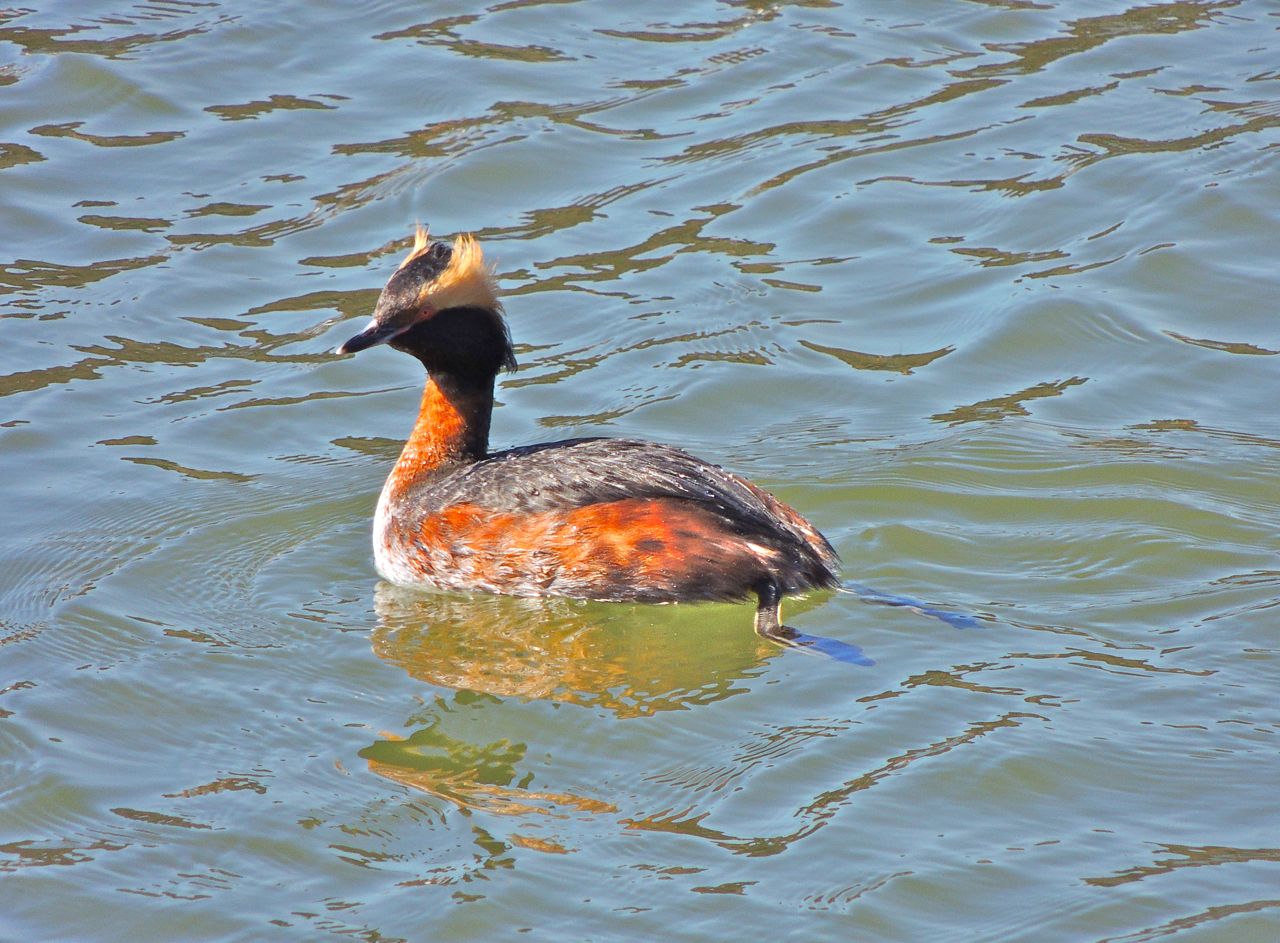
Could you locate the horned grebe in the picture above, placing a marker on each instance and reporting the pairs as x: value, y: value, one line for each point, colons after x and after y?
x: 592, y: 518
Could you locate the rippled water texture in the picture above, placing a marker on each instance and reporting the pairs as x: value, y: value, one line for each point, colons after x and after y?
x: 986, y: 289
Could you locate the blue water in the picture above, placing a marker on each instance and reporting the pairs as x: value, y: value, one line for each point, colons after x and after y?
x: 985, y: 289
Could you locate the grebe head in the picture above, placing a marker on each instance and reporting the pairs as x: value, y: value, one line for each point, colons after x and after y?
x: 441, y: 305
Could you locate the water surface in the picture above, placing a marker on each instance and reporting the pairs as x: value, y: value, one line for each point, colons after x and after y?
x: 986, y: 289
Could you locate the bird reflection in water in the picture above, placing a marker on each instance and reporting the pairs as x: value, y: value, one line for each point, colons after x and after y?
x: 487, y: 649
x: 606, y: 655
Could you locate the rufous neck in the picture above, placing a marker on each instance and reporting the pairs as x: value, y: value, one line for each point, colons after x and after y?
x: 452, y: 426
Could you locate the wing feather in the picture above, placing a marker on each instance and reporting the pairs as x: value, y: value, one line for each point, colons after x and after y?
x: 581, y: 472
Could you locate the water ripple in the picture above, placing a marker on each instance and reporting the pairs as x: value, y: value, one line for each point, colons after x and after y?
x: 982, y: 294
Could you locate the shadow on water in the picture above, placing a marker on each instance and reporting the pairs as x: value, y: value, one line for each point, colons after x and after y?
x: 835, y: 649
x: 957, y: 620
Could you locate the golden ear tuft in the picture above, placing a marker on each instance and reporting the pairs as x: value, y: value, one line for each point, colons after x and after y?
x: 468, y: 257
x: 421, y: 240
x: 466, y: 282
